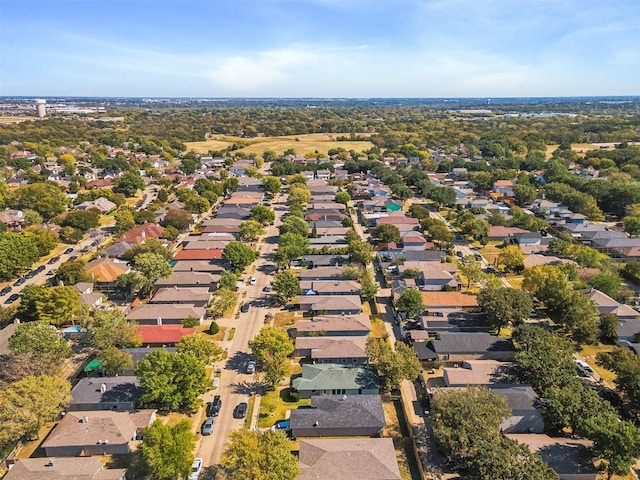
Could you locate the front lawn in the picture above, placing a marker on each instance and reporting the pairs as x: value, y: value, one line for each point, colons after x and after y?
x: 589, y: 353
x: 274, y: 406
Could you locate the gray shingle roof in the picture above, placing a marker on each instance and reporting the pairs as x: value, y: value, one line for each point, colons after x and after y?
x: 332, y: 411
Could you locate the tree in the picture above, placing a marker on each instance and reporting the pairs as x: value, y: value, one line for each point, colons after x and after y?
x: 558, y: 246
x: 197, y: 204
x: 40, y: 339
x: 626, y: 365
x: 129, y: 184
x: 440, y: 234
x: 361, y: 252
x: 260, y: 456
x: 343, y: 197
x: 228, y: 280
x: 82, y: 220
x: 167, y: 450
x: 505, y: 458
x: 607, y: 283
x: 150, y: 245
x: 475, y: 228
x: 17, y: 254
x: 172, y: 380
x: 272, y: 184
x: 250, y: 230
x: 585, y: 256
x: 177, y: 218
x: 110, y: 328
x: 443, y: 196
x: 616, y: 442
x: 262, y: 214
x: 549, y: 284
x: 223, y: 300
x: 276, y: 368
x: 58, y: 305
x: 471, y: 269
x: 42, y: 398
x: 293, y: 224
x: 238, y: 255
x: 512, y: 258
x: 369, y: 287
x: 286, y: 285
x: 44, y: 239
x: 200, y: 347
x: 298, y: 197
x: 524, y: 194
x: 115, y: 361
x: 505, y: 305
x: 632, y: 225
x: 271, y: 342
x: 463, y: 420
x: 189, y: 165
x: 394, y: 367
x: 582, y: 316
x: 45, y: 198
x: 71, y: 272
x: 387, y: 233
x: 410, y: 302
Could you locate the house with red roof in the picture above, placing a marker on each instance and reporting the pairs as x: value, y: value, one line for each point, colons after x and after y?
x: 163, y: 335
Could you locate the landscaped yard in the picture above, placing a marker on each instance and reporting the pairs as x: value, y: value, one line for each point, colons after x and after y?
x: 589, y: 353
x: 378, y: 329
x: 274, y: 406
x: 284, y: 320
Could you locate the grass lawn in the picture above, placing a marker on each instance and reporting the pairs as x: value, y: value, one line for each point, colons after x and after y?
x: 218, y: 337
x: 490, y: 251
x: 589, y: 353
x: 250, y: 407
x: 366, y: 308
x: 274, y: 406
x: 284, y: 319
x: 232, y: 332
x: 378, y: 329
x: 516, y: 281
x: 174, y: 418
x: 322, y: 142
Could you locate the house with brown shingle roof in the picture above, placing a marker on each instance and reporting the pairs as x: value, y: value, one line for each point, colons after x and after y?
x: 331, y: 304
x: 63, y: 468
x: 213, y: 254
x: 105, y: 271
x: 449, y: 300
x: 197, y: 296
x: 335, y: 325
x: 158, y: 314
x: 98, y: 432
x: 163, y: 335
x: 348, y: 459
x: 140, y: 233
x: 348, y: 350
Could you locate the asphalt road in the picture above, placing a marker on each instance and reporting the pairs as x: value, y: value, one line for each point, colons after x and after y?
x: 235, y: 384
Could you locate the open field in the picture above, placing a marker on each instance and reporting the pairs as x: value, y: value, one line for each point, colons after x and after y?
x: 576, y: 147
x: 7, y: 120
x: 322, y: 142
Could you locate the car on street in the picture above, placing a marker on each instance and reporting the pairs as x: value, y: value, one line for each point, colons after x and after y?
x: 241, y: 410
x: 74, y: 257
x: 196, y: 469
x: 53, y: 260
x: 19, y: 281
x: 244, y: 308
x: 68, y: 250
x: 477, y: 256
x: 267, y: 288
x: 253, y: 281
x: 31, y: 274
x: 251, y: 366
x: 459, y: 253
x: 213, y: 409
x: 207, y: 426
x: 12, y: 298
x: 51, y: 272
x: 5, y: 290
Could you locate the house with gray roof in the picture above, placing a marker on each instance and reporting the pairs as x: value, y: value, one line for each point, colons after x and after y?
x: 333, y: 379
x: 525, y: 409
x: 331, y: 287
x: 339, y: 416
x: 348, y: 459
x: 321, y: 273
x: 186, y: 279
x: 313, y: 261
x: 197, y: 266
x: 345, y: 350
x: 330, y: 304
x: 105, y: 393
x: 334, y: 325
x: 63, y: 468
x: 460, y: 346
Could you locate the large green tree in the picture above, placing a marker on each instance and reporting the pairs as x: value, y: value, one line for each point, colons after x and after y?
x: 387, y: 233
x: 271, y: 342
x: 616, y: 442
x: 167, y: 451
x: 239, y: 255
x: 110, y: 328
x: 410, y: 302
x: 259, y: 456
x: 393, y: 366
x: 40, y: 339
x: 129, y: 183
x: 45, y: 198
x: 286, y: 285
x: 504, y: 306
x: 200, y: 347
x: 262, y: 214
x: 172, y: 380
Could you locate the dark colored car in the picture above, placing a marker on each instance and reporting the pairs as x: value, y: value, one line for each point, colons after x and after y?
x: 244, y: 308
x: 5, y: 290
x: 41, y: 268
x: 214, y: 407
x: 12, y: 298
x: 68, y: 250
x: 71, y: 259
x: 53, y: 260
x: 19, y: 281
x: 240, y: 411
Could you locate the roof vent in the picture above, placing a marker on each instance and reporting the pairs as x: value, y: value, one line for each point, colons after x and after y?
x: 49, y: 463
x: 85, y: 419
x: 103, y: 388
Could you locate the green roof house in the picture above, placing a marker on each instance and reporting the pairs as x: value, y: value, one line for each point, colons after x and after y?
x: 335, y: 379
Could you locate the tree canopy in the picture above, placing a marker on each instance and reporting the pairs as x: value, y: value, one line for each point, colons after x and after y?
x: 410, y: 302
x: 239, y: 255
x: 504, y: 306
x: 167, y: 450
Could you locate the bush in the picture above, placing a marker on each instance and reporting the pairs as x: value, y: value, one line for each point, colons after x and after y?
x: 214, y: 328
x: 294, y: 396
x: 190, y: 322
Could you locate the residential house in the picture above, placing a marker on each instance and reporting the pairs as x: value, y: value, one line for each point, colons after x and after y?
x: 199, y: 254
x: 239, y: 168
x: 606, y: 304
x: 236, y: 213
x: 334, y: 379
x: 221, y: 225
x: 163, y: 335
x: 400, y: 220
x: 313, y: 261
x: 334, y: 325
x: 461, y: 346
x: 330, y: 304
x: 348, y: 459
x: 321, y: 273
x: 455, y: 301
x: 329, y: 241
x: 308, y: 174
x: 504, y: 187
x: 502, y: 234
x: 197, y: 266
x: 189, y: 279
x: 12, y: 218
x: 139, y: 354
x: 196, y: 296
x: 331, y: 287
x: 339, y: 416
x: 102, y: 204
x: 87, y: 297
x: 525, y: 409
x: 99, y: 432
x: 414, y: 240
x: 104, y: 272
x: 153, y: 314
x: 323, y: 174
x: 63, y: 468
x: 334, y: 350
x: 478, y: 372
x: 140, y: 233
x: 105, y: 393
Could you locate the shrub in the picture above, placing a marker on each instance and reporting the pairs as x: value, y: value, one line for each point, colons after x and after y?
x: 214, y: 328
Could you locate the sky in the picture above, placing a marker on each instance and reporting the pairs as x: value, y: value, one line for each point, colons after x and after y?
x: 320, y: 48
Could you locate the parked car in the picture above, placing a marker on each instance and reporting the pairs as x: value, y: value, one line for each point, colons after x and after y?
x: 196, y: 469
x: 459, y: 253
x: 251, y: 366
x: 267, y: 288
x: 207, y: 426
x: 477, y: 256
x: 214, y: 407
x: 253, y: 281
x: 241, y: 410
x: 68, y: 250
x: 584, y: 368
x: 53, y: 260
x: 5, y: 290
x: 19, y: 281
x: 244, y: 308
x: 51, y: 272
x: 74, y: 257
x: 12, y: 298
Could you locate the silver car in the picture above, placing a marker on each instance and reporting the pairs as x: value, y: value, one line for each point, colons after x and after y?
x: 207, y: 426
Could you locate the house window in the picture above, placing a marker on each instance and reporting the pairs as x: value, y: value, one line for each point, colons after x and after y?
x: 360, y: 391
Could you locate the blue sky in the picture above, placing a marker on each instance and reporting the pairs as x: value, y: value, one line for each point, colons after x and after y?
x: 319, y: 48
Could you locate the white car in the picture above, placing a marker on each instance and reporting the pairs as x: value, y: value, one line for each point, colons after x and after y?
x: 196, y: 468
x: 253, y: 281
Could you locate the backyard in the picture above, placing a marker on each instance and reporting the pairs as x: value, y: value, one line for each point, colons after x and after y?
x: 274, y: 406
